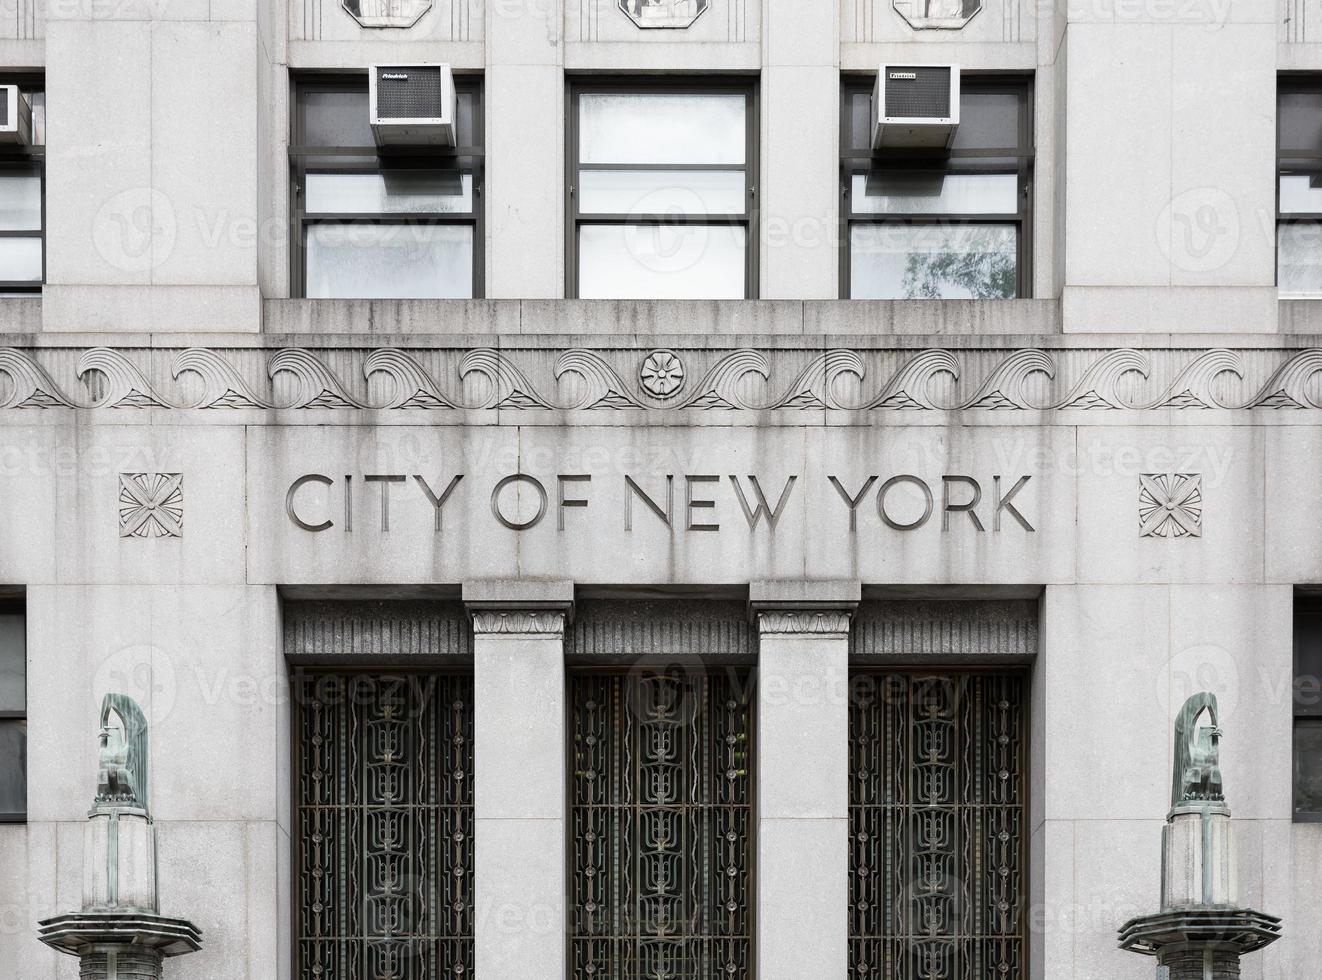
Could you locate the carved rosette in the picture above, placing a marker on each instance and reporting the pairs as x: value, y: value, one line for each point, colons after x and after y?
x: 151, y: 505
x: 533, y: 622
x: 804, y: 622
x: 1170, y: 505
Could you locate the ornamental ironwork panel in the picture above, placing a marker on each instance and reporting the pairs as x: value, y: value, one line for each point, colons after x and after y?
x: 384, y: 820
x: 937, y: 811
x: 662, y: 836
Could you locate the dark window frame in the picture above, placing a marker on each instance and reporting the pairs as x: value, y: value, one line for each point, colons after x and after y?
x: 1306, y: 608
x: 18, y: 607
x: 854, y: 160
x: 26, y: 158
x: 304, y: 158
x: 666, y: 85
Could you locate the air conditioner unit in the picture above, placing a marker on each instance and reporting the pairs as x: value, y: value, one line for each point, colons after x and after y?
x: 412, y: 105
x: 15, y: 116
x: 916, y: 106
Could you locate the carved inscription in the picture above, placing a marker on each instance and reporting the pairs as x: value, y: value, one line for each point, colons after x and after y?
x: 707, y: 502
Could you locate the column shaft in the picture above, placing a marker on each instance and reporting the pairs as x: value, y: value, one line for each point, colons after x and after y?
x: 519, y: 883
x: 803, y: 796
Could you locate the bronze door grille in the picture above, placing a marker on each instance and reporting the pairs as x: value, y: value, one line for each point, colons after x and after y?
x: 384, y: 818
x: 661, y: 826
x: 937, y: 814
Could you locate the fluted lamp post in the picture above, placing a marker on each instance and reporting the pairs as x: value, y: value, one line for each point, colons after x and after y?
x: 1201, y: 931
x: 120, y: 934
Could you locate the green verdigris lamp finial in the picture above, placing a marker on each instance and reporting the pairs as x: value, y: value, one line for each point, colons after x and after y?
x: 122, y: 776
x: 1196, y: 774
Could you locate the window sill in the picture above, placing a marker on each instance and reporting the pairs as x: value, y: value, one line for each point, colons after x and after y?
x: 644, y: 318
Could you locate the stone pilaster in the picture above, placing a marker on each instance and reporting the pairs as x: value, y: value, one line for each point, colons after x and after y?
x: 802, y: 778
x: 519, y: 701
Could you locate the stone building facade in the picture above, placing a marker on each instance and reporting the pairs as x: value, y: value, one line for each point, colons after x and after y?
x: 771, y: 631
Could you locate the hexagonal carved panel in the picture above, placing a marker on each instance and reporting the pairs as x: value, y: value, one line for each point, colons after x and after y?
x: 948, y: 15
x: 664, y: 13
x: 386, y: 13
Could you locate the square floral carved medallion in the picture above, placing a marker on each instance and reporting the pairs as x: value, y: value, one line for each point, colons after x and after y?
x: 1170, y: 505
x: 151, y: 505
x: 674, y: 14
x: 387, y: 13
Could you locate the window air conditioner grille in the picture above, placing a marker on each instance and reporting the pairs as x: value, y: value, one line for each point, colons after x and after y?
x: 410, y: 93
x: 4, y: 110
x: 918, y: 92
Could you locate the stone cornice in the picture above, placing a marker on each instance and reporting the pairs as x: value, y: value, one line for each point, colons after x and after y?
x: 523, y: 622
x: 535, y: 380
x: 804, y: 622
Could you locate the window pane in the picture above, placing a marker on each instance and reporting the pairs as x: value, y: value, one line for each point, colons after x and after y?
x: 860, y: 122
x: 335, y: 118
x: 38, y: 117
x: 391, y: 192
x: 389, y: 261
x: 20, y: 260
x: 1299, y: 258
x: 933, y: 261
x: 13, y: 767
x: 1300, y: 121
x: 1307, y: 765
x: 647, y: 127
x: 1308, y: 664
x: 661, y: 192
x: 1301, y: 194
x: 20, y: 200
x: 887, y: 192
x: 988, y: 120
x: 661, y: 261
x: 13, y: 663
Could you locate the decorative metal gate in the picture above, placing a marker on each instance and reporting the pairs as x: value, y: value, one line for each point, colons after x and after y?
x: 384, y: 820
x: 662, y: 841
x: 937, y: 826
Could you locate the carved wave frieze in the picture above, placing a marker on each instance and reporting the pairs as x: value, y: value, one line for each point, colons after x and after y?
x: 388, y: 379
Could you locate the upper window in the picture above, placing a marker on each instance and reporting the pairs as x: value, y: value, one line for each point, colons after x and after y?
x: 1308, y: 711
x: 22, y: 180
x: 940, y: 224
x: 1299, y: 202
x: 383, y: 223
x: 13, y: 714
x: 661, y: 190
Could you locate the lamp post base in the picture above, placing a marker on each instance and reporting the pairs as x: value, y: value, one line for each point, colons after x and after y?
x: 120, y: 945
x: 119, y: 963
x: 1200, y: 944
